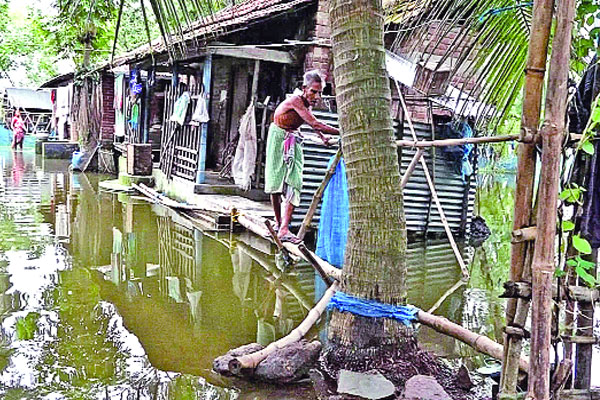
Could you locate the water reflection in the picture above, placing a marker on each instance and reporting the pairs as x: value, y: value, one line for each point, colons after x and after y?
x: 103, y: 295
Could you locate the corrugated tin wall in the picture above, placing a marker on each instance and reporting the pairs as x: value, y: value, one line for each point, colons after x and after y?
x: 421, y: 213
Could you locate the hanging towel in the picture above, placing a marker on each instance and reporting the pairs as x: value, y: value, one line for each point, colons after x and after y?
x: 244, y: 161
x: 180, y: 108
x: 200, y: 115
x: 335, y: 218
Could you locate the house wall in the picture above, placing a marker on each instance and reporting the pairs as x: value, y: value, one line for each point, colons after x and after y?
x: 107, y: 126
x: 319, y: 57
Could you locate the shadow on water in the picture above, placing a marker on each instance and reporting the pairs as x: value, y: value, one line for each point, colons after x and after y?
x: 107, y: 296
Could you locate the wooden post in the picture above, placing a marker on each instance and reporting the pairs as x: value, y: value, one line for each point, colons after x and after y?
x: 543, y: 265
x: 206, y: 81
x: 532, y: 98
x: 461, y: 262
x: 318, y: 195
x: 456, y: 142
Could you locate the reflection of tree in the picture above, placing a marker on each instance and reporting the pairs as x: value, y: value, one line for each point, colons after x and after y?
x: 82, y: 358
x: 16, y: 232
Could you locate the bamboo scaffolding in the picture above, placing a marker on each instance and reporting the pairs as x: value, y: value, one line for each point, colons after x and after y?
x: 252, y: 360
x: 543, y: 266
x: 456, y: 142
x: 520, y: 251
x: 318, y: 195
x: 459, y: 258
x: 411, y: 167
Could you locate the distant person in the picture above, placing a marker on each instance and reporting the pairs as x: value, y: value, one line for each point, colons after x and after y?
x: 18, y: 127
x: 285, y: 159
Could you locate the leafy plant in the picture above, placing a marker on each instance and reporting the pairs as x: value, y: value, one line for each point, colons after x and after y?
x: 26, y: 327
x: 572, y: 194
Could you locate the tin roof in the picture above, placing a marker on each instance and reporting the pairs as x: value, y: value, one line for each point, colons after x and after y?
x: 29, y: 98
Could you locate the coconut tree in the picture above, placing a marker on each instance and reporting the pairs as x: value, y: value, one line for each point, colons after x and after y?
x: 374, y: 265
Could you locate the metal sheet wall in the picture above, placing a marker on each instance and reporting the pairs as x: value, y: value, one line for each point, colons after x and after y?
x: 421, y: 213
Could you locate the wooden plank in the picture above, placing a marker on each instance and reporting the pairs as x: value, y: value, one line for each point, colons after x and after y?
x: 253, y: 53
x: 580, y: 394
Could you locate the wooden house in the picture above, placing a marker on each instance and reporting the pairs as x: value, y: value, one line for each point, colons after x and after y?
x: 255, y: 52
x: 35, y: 107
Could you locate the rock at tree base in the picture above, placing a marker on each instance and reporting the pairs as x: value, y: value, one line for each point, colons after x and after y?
x: 422, y: 387
x: 290, y: 363
x: 368, y: 385
x: 221, y: 364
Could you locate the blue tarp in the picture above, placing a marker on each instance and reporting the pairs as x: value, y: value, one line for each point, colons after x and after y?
x: 373, y: 309
x: 333, y: 224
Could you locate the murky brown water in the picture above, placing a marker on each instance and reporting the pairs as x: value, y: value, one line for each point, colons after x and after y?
x: 104, y: 295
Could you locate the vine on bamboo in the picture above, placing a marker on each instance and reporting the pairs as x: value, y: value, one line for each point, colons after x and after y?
x: 573, y: 194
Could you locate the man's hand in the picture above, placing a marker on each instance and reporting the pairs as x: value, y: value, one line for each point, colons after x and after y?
x: 325, y: 139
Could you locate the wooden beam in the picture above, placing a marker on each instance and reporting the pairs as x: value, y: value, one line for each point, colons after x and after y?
x: 411, y: 167
x: 456, y: 142
x: 580, y: 394
x: 522, y: 290
x: 253, y: 53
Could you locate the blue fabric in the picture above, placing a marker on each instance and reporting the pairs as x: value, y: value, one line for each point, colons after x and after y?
x: 333, y: 224
x: 373, y: 309
x: 466, y: 168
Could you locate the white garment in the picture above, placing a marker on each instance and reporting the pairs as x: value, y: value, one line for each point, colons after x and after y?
x: 244, y: 161
x: 201, y: 112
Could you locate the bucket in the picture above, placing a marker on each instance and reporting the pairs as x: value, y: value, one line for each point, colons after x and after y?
x: 77, y: 160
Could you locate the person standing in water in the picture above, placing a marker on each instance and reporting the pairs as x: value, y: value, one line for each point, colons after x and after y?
x: 285, y: 159
x: 18, y: 127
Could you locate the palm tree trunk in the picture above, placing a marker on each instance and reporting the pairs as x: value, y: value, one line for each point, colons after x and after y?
x: 374, y: 265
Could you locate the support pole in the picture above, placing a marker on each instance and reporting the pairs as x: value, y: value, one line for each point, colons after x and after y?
x: 456, y: 142
x: 461, y: 262
x: 543, y: 265
x: 411, y: 167
x: 202, y: 150
x: 521, y: 251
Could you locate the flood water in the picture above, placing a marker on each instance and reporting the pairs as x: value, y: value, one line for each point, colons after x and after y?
x: 105, y: 296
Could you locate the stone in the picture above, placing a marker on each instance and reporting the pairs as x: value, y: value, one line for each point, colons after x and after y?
x: 369, y: 385
x: 463, y: 378
x: 59, y: 149
x: 289, y: 364
x: 422, y: 387
x: 221, y: 364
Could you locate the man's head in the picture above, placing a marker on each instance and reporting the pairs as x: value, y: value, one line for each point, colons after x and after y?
x: 18, y: 112
x: 312, y: 86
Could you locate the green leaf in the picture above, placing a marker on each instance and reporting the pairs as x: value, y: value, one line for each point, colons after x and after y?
x: 567, y: 226
x: 559, y: 273
x: 585, y: 264
x: 582, y: 245
x: 587, y: 278
x: 572, y: 263
x: 588, y: 147
x: 596, y: 114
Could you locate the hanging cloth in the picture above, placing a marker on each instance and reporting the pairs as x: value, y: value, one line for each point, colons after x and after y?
x: 244, y: 161
x: 200, y: 115
x: 180, y: 108
x: 335, y: 218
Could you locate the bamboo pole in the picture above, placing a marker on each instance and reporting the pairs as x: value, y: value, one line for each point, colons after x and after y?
x: 411, y: 167
x: 532, y: 98
x: 461, y: 262
x: 318, y: 195
x: 252, y: 360
x: 456, y: 142
x: 480, y: 343
x: 308, y: 255
x: 543, y: 266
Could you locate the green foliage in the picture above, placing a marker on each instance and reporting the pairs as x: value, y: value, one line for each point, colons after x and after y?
x: 26, y: 327
x: 584, y: 44
x: 567, y: 226
x: 582, y: 245
x: 572, y: 194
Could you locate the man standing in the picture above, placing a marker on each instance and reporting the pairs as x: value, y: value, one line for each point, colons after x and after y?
x: 285, y: 159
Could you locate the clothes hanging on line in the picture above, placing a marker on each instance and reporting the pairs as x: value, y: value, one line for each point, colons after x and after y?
x: 244, y: 162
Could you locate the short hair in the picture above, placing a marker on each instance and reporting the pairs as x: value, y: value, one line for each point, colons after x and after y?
x: 312, y: 76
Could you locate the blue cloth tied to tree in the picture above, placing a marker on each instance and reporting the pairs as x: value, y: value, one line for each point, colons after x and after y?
x: 334, y: 220
x: 371, y: 308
